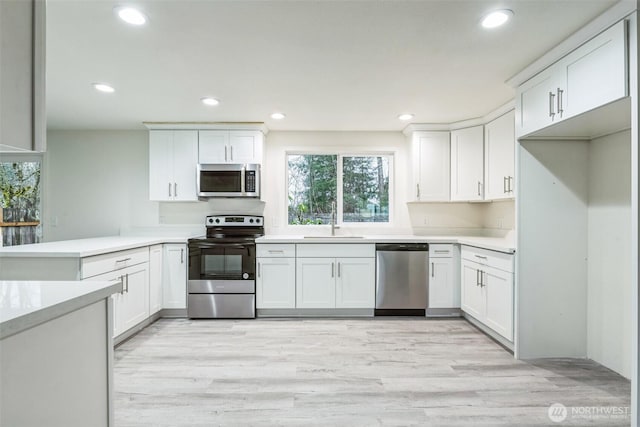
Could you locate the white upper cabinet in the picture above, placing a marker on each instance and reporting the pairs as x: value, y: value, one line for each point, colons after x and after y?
x: 467, y: 164
x: 499, y: 157
x: 173, y: 157
x: 221, y: 146
x: 430, y: 166
x: 591, y: 76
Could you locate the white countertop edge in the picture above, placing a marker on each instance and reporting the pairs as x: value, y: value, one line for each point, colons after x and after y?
x: 100, y: 290
x: 491, y: 243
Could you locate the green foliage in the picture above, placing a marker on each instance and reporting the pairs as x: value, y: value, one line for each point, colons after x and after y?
x: 20, y: 185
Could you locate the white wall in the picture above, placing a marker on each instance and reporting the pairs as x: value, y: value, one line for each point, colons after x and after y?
x: 609, y: 267
x: 96, y: 182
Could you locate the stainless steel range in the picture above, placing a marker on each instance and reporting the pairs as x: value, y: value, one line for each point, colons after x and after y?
x: 222, y: 268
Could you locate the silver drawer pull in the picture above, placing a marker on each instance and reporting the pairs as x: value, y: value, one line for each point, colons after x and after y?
x: 481, y: 257
x: 273, y: 251
x: 123, y: 260
x: 437, y: 251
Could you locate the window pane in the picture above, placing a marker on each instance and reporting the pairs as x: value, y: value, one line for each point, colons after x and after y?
x: 312, y: 188
x: 365, y: 189
x: 20, y: 202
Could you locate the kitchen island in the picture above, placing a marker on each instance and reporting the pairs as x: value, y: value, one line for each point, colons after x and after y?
x: 56, y: 353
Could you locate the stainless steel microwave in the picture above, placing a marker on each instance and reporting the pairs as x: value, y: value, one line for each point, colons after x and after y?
x: 229, y: 180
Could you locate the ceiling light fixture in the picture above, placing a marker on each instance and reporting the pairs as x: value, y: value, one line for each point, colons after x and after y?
x: 405, y: 117
x: 496, y: 18
x: 102, y: 87
x: 278, y: 116
x: 209, y: 101
x: 131, y: 15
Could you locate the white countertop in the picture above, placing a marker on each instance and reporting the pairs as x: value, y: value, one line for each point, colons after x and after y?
x: 500, y: 244
x: 25, y: 304
x: 86, y: 247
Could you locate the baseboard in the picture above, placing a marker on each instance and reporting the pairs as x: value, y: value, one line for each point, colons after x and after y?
x: 508, y: 345
x: 314, y: 312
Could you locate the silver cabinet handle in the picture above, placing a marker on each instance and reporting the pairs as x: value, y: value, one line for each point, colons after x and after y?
x: 432, y: 270
x: 338, y: 269
x: 441, y: 251
x: 418, y: 191
x: 560, y: 109
x: 510, y: 187
x: 479, y: 191
x: 332, y: 269
x: 477, y: 277
x: 504, y: 184
x: 181, y: 256
x: 175, y: 189
x: 127, y: 277
x: 169, y: 189
x: 231, y: 149
x: 482, y: 279
x: 225, y: 153
x: 551, y: 102
x: 274, y: 251
x: 480, y: 256
x: 123, y: 260
x: 121, y: 280
x: 258, y: 269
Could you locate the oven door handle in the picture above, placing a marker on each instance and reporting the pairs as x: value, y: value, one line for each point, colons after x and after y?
x: 204, y: 245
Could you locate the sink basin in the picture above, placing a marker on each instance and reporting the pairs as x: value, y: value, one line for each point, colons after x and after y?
x: 334, y: 237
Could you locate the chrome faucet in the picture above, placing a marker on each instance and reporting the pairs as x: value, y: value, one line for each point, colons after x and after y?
x: 333, y: 218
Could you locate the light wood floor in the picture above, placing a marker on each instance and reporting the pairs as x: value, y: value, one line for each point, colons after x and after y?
x: 337, y: 372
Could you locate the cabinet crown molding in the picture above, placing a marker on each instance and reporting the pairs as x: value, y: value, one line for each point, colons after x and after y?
x: 259, y: 126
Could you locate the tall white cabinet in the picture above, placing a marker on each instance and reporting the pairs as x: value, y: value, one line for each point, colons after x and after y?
x: 173, y: 159
x: 499, y: 156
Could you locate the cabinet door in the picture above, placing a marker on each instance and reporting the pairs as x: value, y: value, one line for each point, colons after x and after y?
x: 536, y: 101
x: 499, y: 154
x: 213, y: 146
x: 315, y: 283
x: 113, y: 276
x: 433, y: 163
x: 134, y: 307
x: 473, y: 296
x: 160, y: 165
x: 467, y: 163
x: 276, y: 283
x: 444, y: 291
x: 185, y: 160
x: 174, y: 275
x: 596, y: 71
x: 499, y: 299
x: 245, y: 146
x: 355, y: 283
x: 155, y: 279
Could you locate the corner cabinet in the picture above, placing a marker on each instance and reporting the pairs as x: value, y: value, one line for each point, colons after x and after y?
x: 335, y: 276
x: 431, y: 166
x: 487, y: 288
x: 499, y: 157
x: 234, y: 146
x: 275, y: 276
x: 173, y: 159
x: 590, y: 76
x: 467, y: 164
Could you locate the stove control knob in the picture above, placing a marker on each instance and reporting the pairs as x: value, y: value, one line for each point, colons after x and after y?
x: 217, y: 220
x: 245, y: 275
x: 210, y: 220
x: 251, y: 220
x: 257, y: 220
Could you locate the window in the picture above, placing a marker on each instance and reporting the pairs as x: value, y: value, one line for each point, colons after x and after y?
x: 20, y: 199
x: 357, y: 184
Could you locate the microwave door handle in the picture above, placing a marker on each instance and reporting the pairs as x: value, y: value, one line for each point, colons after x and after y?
x: 242, y: 180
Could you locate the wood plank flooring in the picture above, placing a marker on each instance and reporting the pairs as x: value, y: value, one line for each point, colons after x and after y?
x: 349, y: 372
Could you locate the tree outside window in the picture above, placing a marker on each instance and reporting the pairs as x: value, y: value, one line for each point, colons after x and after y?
x: 314, y: 181
x: 20, y: 202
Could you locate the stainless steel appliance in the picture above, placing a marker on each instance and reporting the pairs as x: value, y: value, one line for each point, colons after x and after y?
x: 402, y: 279
x: 222, y: 268
x: 229, y: 180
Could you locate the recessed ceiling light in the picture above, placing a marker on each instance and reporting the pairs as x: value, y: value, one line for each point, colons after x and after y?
x: 278, y: 116
x: 496, y: 18
x: 209, y: 101
x: 104, y: 87
x: 405, y: 116
x: 131, y: 15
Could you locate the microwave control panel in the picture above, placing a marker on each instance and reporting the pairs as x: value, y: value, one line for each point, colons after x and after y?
x: 250, y: 181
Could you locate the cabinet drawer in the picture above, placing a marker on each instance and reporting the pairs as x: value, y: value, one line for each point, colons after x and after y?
x: 275, y: 250
x: 440, y: 250
x: 499, y: 260
x: 344, y: 250
x: 99, y: 264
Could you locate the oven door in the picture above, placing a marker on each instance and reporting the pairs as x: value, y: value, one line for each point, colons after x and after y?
x: 222, y: 261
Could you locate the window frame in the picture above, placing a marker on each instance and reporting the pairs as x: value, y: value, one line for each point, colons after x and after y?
x: 340, y: 154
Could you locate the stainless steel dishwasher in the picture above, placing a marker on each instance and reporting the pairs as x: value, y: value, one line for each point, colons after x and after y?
x: 402, y: 279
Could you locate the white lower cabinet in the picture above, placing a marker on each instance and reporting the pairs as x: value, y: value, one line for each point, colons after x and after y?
x: 355, y: 283
x: 276, y: 283
x: 487, y: 288
x: 133, y: 305
x: 155, y: 279
x: 444, y: 286
x: 174, y: 276
x: 315, y: 283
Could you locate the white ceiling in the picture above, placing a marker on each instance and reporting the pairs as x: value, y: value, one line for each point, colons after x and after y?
x: 328, y: 65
